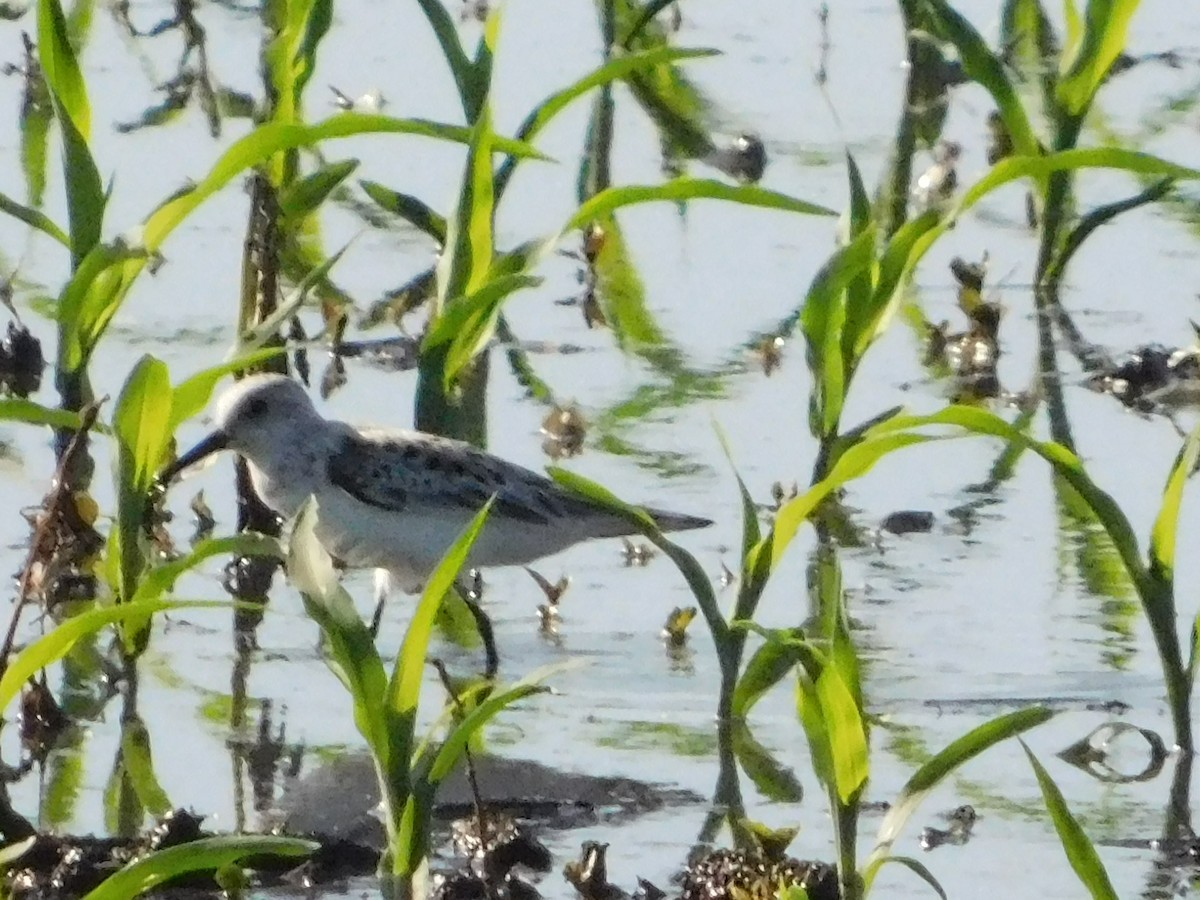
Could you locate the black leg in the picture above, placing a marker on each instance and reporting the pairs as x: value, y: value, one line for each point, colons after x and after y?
x: 484, y: 625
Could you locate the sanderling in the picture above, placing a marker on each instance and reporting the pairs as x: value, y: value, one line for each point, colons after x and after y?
x: 392, y: 499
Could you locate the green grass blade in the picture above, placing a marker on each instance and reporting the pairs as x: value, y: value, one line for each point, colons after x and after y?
x: 772, y: 779
x: 254, y: 339
x: 984, y: 67
x: 34, y: 219
x: 446, y: 31
x: 1107, y: 510
x: 766, y: 668
x: 459, y: 738
x: 85, y: 192
x: 1039, y: 167
x: 13, y: 852
x: 404, y: 687
x: 1163, y: 537
x: 913, y: 865
x: 1117, y: 158
x: 139, y: 767
x: 203, y: 855
x: 469, y: 250
x: 860, y: 203
x: 682, y: 189
x: 61, y: 68
x: 697, y: 579
x: 302, y: 197
x: 952, y: 757
x: 1084, y: 68
x: 192, y: 395
x: 161, y: 580
x: 614, y: 70
x: 481, y: 67
x: 853, y: 463
x: 32, y: 413
x: 469, y: 323
x: 675, y: 105
x: 34, y: 123
x: 141, y: 419
x: 1080, y: 852
x: 896, y: 264
x: 50, y: 648
x: 751, y: 529
x: 808, y: 707
x: 823, y: 320
x: 416, y: 212
x: 647, y: 15
x: 260, y: 144
x: 350, y: 645
x: 106, y: 274
x: 317, y: 21
x: 847, y: 733
x: 141, y: 425
x: 1099, y: 216
x: 623, y: 296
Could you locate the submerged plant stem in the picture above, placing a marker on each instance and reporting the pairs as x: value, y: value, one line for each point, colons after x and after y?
x: 61, y: 489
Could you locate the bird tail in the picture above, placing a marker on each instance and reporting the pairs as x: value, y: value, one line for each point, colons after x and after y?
x: 669, y: 521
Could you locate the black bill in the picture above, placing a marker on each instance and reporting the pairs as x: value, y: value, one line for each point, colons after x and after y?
x: 214, y: 443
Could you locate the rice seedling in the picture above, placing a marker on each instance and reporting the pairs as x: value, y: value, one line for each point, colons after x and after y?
x: 848, y: 306
x: 1070, y: 85
x: 473, y: 278
x: 409, y: 769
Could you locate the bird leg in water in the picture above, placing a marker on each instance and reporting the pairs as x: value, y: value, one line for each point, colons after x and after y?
x: 468, y: 592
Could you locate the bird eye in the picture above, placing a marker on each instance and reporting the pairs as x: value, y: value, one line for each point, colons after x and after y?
x: 257, y: 408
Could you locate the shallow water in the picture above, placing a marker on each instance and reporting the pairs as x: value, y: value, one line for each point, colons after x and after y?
x: 957, y: 625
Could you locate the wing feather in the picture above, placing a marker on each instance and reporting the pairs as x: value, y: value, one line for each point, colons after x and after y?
x: 405, y: 472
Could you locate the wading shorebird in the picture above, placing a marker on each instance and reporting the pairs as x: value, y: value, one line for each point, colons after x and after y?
x: 396, y: 500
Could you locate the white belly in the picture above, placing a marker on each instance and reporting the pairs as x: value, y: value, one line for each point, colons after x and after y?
x: 410, y: 545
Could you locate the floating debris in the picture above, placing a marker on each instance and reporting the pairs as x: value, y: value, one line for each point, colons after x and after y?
x: 554, y: 591
x: 589, y: 874
x: 203, y: 519
x: 507, y: 845
x: 64, y: 866
x: 1102, y: 750
x: 594, y: 237
x: 781, y: 495
x: 727, y: 576
x: 908, y: 521
x: 962, y: 821
x: 565, y: 429
x: 371, y: 102
x: 745, y: 159
x: 674, y: 631
x: 21, y: 361
x: 770, y: 353
x: 394, y: 354
x: 549, y: 615
x: 742, y: 875
x: 474, y: 9
x: 1000, y: 143
x: 939, y: 182
x: 636, y: 554
x: 593, y: 312
x: 772, y: 843
x: 475, y: 585
x: 972, y: 355
x: 42, y: 719
x: 1153, y: 376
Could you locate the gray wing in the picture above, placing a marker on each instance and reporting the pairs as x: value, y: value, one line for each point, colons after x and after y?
x: 394, y: 473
